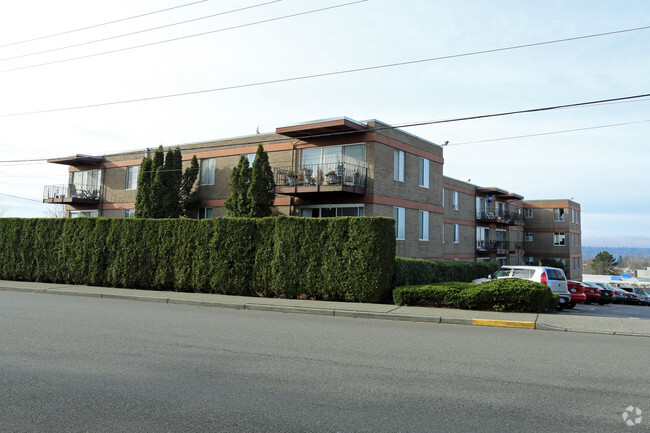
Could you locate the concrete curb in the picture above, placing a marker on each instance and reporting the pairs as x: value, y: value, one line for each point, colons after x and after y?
x: 546, y: 322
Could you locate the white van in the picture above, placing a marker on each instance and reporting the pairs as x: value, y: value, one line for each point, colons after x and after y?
x: 554, y: 278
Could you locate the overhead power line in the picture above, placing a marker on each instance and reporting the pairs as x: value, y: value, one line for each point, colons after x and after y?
x: 181, y: 37
x: 21, y: 198
x: 136, y: 32
x: 319, y: 75
x: 409, y: 125
x: 101, y: 24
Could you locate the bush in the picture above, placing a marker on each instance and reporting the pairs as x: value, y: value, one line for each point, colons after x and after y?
x: 341, y: 259
x: 508, y: 294
x: 418, y: 271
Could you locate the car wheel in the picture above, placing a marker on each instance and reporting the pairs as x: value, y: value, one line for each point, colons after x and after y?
x: 601, y: 302
x: 571, y: 304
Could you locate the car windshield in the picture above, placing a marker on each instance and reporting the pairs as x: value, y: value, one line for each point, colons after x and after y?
x: 502, y: 273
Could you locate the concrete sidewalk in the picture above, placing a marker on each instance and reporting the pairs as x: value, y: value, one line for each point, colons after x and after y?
x: 554, y: 322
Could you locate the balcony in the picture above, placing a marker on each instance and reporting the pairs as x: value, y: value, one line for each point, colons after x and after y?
x: 71, y: 194
x: 487, y: 216
x: 321, y: 178
x: 499, y: 247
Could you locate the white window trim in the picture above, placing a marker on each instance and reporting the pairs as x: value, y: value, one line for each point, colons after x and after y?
x: 129, y: 175
x: 423, y: 225
x: 456, y: 200
x: 456, y: 233
x: 558, y: 234
x: 400, y: 222
x: 528, y: 213
x: 424, y: 173
x: 398, y: 165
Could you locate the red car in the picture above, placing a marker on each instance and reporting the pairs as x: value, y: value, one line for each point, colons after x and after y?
x: 576, y: 292
x: 592, y: 293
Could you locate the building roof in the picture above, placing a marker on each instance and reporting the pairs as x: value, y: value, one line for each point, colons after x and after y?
x: 77, y: 160
x: 322, y: 127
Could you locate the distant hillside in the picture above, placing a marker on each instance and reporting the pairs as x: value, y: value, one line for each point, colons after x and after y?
x: 590, y: 252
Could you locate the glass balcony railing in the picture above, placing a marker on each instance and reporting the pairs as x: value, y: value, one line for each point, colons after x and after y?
x: 70, y: 192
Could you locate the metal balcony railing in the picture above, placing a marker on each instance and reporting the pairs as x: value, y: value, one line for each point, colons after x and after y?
x: 322, y: 174
x: 499, y: 246
x: 500, y: 217
x: 71, y: 191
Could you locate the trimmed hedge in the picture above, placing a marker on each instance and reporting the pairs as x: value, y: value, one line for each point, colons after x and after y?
x: 508, y: 294
x: 418, y: 271
x: 342, y: 259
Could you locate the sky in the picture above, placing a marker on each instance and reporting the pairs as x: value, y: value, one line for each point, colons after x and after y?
x: 250, y: 42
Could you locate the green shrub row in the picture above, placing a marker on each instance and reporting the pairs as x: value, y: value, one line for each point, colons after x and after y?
x: 349, y: 259
x: 509, y: 294
x: 418, y: 271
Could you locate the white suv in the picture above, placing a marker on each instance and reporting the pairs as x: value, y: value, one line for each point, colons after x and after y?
x: 554, y: 278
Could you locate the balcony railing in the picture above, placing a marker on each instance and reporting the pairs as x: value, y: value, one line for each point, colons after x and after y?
x: 499, y: 247
x: 340, y: 174
x: 70, y: 193
x: 500, y: 217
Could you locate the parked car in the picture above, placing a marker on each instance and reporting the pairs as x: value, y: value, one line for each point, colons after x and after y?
x: 577, y: 293
x: 631, y: 297
x: 619, y: 295
x: 592, y: 293
x: 644, y: 298
x: 606, y: 295
x: 554, y: 278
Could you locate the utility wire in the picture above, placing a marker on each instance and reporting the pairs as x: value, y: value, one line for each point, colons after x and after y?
x: 181, y: 37
x: 408, y: 125
x: 136, y: 32
x: 21, y: 198
x: 306, y: 77
x: 611, y: 125
x: 101, y: 24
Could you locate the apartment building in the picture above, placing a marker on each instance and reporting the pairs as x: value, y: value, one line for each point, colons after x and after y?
x: 330, y: 168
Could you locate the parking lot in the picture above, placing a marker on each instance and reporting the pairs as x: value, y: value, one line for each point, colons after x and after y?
x: 609, y: 310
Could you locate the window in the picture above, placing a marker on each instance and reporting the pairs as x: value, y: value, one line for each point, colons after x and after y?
x: 558, y: 239
x: 398, y: 165
x: 573, y: 239
x: 443, y: 197
x: 576, y: 263
x: 528, y: 213
x: 207, y: 171
x: 480, y: 207
x: 529, y: 260
x: 528, y: 236
x: 500, y: 209
x: 129, y: 213
x: 558, y: 214
x: 83, y: 213
x: 423, y: 221
x: 206, y: 213
x: 573, y: 216
x: 502, y: 261
x: 424, y: 172
x: 327, y: 211
x: 251, y: 158
x: 443, y: 232
x: 132, y: 177
x: 455, y: 202
x: 399, y: 215
x: 482, y: 238
x: 456, y: 233
x: 86, y: 184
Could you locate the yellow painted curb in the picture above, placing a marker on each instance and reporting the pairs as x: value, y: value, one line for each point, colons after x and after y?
x: 504, y: 323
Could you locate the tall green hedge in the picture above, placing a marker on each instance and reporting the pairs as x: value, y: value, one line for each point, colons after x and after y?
x: 348, y: 259
x: 418, y: 271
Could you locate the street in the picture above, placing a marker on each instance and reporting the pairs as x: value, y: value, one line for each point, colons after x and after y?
x: 609, y: 310
x: 79, y: 364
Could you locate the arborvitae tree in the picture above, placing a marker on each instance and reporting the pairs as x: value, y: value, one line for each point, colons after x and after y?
x: 261, y: 189
x: 163, y: 190
x: 144, y: 194
x: 238, y: 204
x: 189, y: 195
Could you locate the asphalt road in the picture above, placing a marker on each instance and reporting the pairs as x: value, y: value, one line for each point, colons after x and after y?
x: 78, y: 364
x: 609, y: 310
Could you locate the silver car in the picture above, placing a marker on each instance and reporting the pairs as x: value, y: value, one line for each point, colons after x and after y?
x: 554, y: 278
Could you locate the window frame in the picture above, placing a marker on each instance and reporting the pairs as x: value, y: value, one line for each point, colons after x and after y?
x: 212, y: 166
x: 424, y: 173
x: 398, y: 165
x: 528, y: 213
x: 131, y: 180
x: 456, y: 233
x: 423, y: 225
x: 399, y: 215
x: 456, y: 200
x: 559, y: 239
